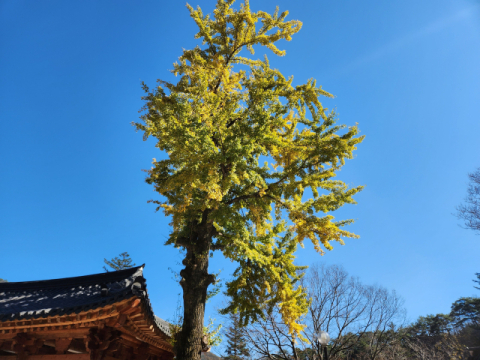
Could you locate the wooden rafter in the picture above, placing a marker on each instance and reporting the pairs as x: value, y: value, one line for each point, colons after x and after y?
x: 131, y: 336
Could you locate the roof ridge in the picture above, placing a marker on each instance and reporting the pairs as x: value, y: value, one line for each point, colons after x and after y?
x: 85, y: 280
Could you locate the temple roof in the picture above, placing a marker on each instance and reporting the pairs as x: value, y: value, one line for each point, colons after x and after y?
x: 47, y: 298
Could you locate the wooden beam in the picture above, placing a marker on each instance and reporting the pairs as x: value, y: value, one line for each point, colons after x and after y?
x: 49, y: 357
x: 99, y: 340
x: 130, y: 338
x: 136, y: 313
x: 52, y: 334
x: 121, y: 320
x: 83, y: 317
x: 6, y: 336
x: 57, y: 325
x: 132, y: 307
x: 60, y: 357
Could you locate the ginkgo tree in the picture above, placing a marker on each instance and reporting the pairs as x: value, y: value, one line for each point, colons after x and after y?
x: 249, y: 167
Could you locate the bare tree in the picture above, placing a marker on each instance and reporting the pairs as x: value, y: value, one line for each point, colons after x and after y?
x: 395, y: 351
x: 421, y: 350
x: 269, y: 338
x: 352, y: 313
x: 357, y: 317
x: 443, y: 347
x: 386, y: 309
x: 469, y: 212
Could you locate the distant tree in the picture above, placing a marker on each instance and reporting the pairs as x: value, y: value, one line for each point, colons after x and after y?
x: 477, y: 281
x: 469, y: 212
x: 3, y: 280
x: 120, y: 262
x: 444, y: 347
x: 236, y: 343
x: 431, y: 325
x: 466, y: 312
x: 445, y: 336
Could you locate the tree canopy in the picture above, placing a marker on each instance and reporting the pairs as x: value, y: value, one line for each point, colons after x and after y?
x: 251, y: 160
x: 431, y: 325
x: 466, y: 311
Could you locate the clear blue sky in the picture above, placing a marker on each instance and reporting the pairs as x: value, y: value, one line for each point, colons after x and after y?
x: 72, y: 190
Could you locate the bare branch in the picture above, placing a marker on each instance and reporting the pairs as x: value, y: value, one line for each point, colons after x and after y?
x: 469, y: 212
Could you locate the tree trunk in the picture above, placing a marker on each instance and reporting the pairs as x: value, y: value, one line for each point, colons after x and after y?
x: 195, y: 281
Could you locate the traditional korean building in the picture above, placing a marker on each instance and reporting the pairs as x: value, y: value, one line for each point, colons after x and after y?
x: 96, y: 317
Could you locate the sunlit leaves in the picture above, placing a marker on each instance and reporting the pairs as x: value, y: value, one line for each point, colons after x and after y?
x: 220, y: 123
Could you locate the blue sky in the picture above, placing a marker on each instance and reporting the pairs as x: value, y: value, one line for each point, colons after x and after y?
x: 72, y: 189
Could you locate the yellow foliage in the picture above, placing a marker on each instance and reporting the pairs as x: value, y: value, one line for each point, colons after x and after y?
x: 216, y: 123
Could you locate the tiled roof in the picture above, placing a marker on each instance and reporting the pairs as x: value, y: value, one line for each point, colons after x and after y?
x: 40, y: 299
x: 163, y: 325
